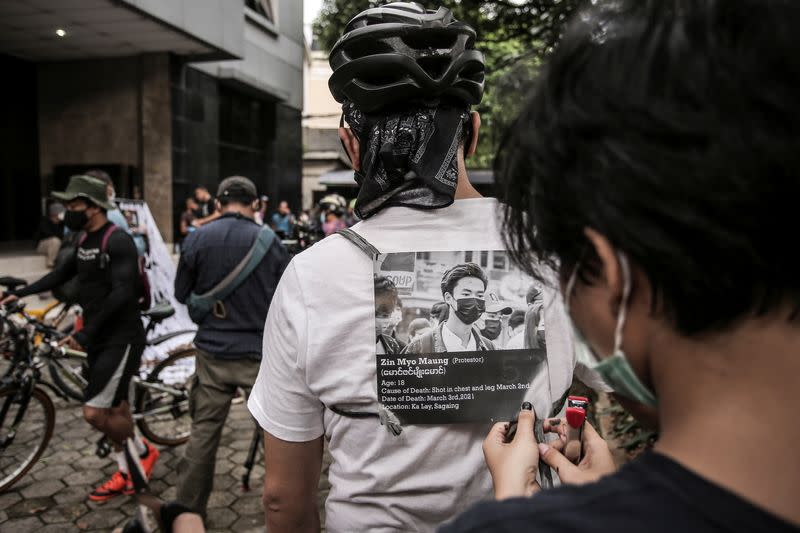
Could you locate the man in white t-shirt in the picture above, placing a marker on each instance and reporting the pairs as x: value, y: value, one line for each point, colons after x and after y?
x: 320, y: 335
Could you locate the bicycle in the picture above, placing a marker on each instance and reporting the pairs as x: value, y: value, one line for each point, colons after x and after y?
x: 27, y: 412
x: 54, y: 314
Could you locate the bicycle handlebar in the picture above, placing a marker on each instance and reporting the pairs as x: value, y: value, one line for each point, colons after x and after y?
x: 71, y: 352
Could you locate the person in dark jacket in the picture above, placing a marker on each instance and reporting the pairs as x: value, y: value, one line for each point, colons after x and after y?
x: 229, y: 342
x: 50, y: 233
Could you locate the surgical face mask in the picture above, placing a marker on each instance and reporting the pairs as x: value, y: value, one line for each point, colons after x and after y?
x: 75, y: 220
x: 616, y: 370
x: 468, y: 310
x: 492, y: 329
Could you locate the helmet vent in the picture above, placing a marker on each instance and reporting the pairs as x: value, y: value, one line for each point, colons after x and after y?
x: 475, y: 73
x: 368, y: 48
x: 435, y: 66
x: 436, y: 40
x: 379, y: 79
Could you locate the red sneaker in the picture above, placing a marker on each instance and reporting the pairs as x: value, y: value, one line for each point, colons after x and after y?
x: 110, y: 489
x: 149, y: 461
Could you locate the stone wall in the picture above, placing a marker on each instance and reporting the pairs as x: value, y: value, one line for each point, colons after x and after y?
x: 110, y: 112
x: 88, y: 113
x: 156, y: 139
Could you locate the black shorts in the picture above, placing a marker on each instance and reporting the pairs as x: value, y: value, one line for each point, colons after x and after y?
x: 110, y: 372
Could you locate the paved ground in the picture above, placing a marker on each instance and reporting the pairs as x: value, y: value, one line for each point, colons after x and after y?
x: 52, y: 497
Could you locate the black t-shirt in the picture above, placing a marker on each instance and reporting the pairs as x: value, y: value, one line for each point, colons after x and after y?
x: 652, y: 494
x: 109, y: 289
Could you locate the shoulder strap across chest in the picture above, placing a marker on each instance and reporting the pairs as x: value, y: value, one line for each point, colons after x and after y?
x: 363, y: 244
x: 103, y: 241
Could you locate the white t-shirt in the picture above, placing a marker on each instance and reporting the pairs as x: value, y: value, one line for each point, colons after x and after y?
x: 453, y: 343
x: 319, y: 349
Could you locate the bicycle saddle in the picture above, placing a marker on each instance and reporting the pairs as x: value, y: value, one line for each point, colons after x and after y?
x: 159, y: 312
x: 12, y: 283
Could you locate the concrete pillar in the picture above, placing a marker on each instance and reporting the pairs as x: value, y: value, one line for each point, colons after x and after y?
x: 156, y: 139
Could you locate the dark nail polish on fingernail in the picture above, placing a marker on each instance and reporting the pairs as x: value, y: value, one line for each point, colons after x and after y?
x: 527, y: 406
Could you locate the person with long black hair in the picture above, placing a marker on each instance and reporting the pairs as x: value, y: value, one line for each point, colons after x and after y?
x: 656, y: 170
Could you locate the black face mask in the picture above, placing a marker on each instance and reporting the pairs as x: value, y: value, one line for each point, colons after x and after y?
x: 470, y: 309
x: 492, y: 329
x: 75, y: 220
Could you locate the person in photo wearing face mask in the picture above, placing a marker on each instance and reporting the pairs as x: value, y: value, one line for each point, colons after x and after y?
x: 417, y: 328
x: 439, y: 313
x: 495, y: 321
x: 653, y: 128
x: 386, y: 302
x: 113, y: 336
x: 463, y: 289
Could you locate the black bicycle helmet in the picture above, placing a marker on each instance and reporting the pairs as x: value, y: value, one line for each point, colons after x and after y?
x: 400, y: 52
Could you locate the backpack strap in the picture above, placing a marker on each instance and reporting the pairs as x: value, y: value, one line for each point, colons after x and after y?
x: 104, y: 241
x: 385, y: 416
x: 107, y: 235
x: 362, y: 243
x: 201, y: 304
x: 260, y: 247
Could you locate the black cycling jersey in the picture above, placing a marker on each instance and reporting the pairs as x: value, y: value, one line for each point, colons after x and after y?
x: 108, y: 289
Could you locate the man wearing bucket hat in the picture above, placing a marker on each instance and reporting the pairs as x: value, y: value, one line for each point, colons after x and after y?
x: 107, y: 269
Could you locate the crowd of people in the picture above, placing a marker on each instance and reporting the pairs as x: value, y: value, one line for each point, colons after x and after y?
x: 331, y: 214
x: 647, y: 189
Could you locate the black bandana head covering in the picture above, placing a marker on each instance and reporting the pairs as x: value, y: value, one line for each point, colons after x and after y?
x: 409, y: 157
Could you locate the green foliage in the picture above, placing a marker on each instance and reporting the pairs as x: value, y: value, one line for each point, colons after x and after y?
x: 514, y: 36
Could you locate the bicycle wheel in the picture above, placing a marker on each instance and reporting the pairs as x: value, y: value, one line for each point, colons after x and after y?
x: 68, y: 373
x: 26, y: 425
x: 162, y: 400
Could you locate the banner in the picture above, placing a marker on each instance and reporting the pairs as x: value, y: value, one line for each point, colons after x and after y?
x: 161, y: 271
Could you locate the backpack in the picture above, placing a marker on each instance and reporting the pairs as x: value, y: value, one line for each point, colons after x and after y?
x: 144, y: 300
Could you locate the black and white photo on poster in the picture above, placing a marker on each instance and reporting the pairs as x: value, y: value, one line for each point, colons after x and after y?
x: 459, y: 335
